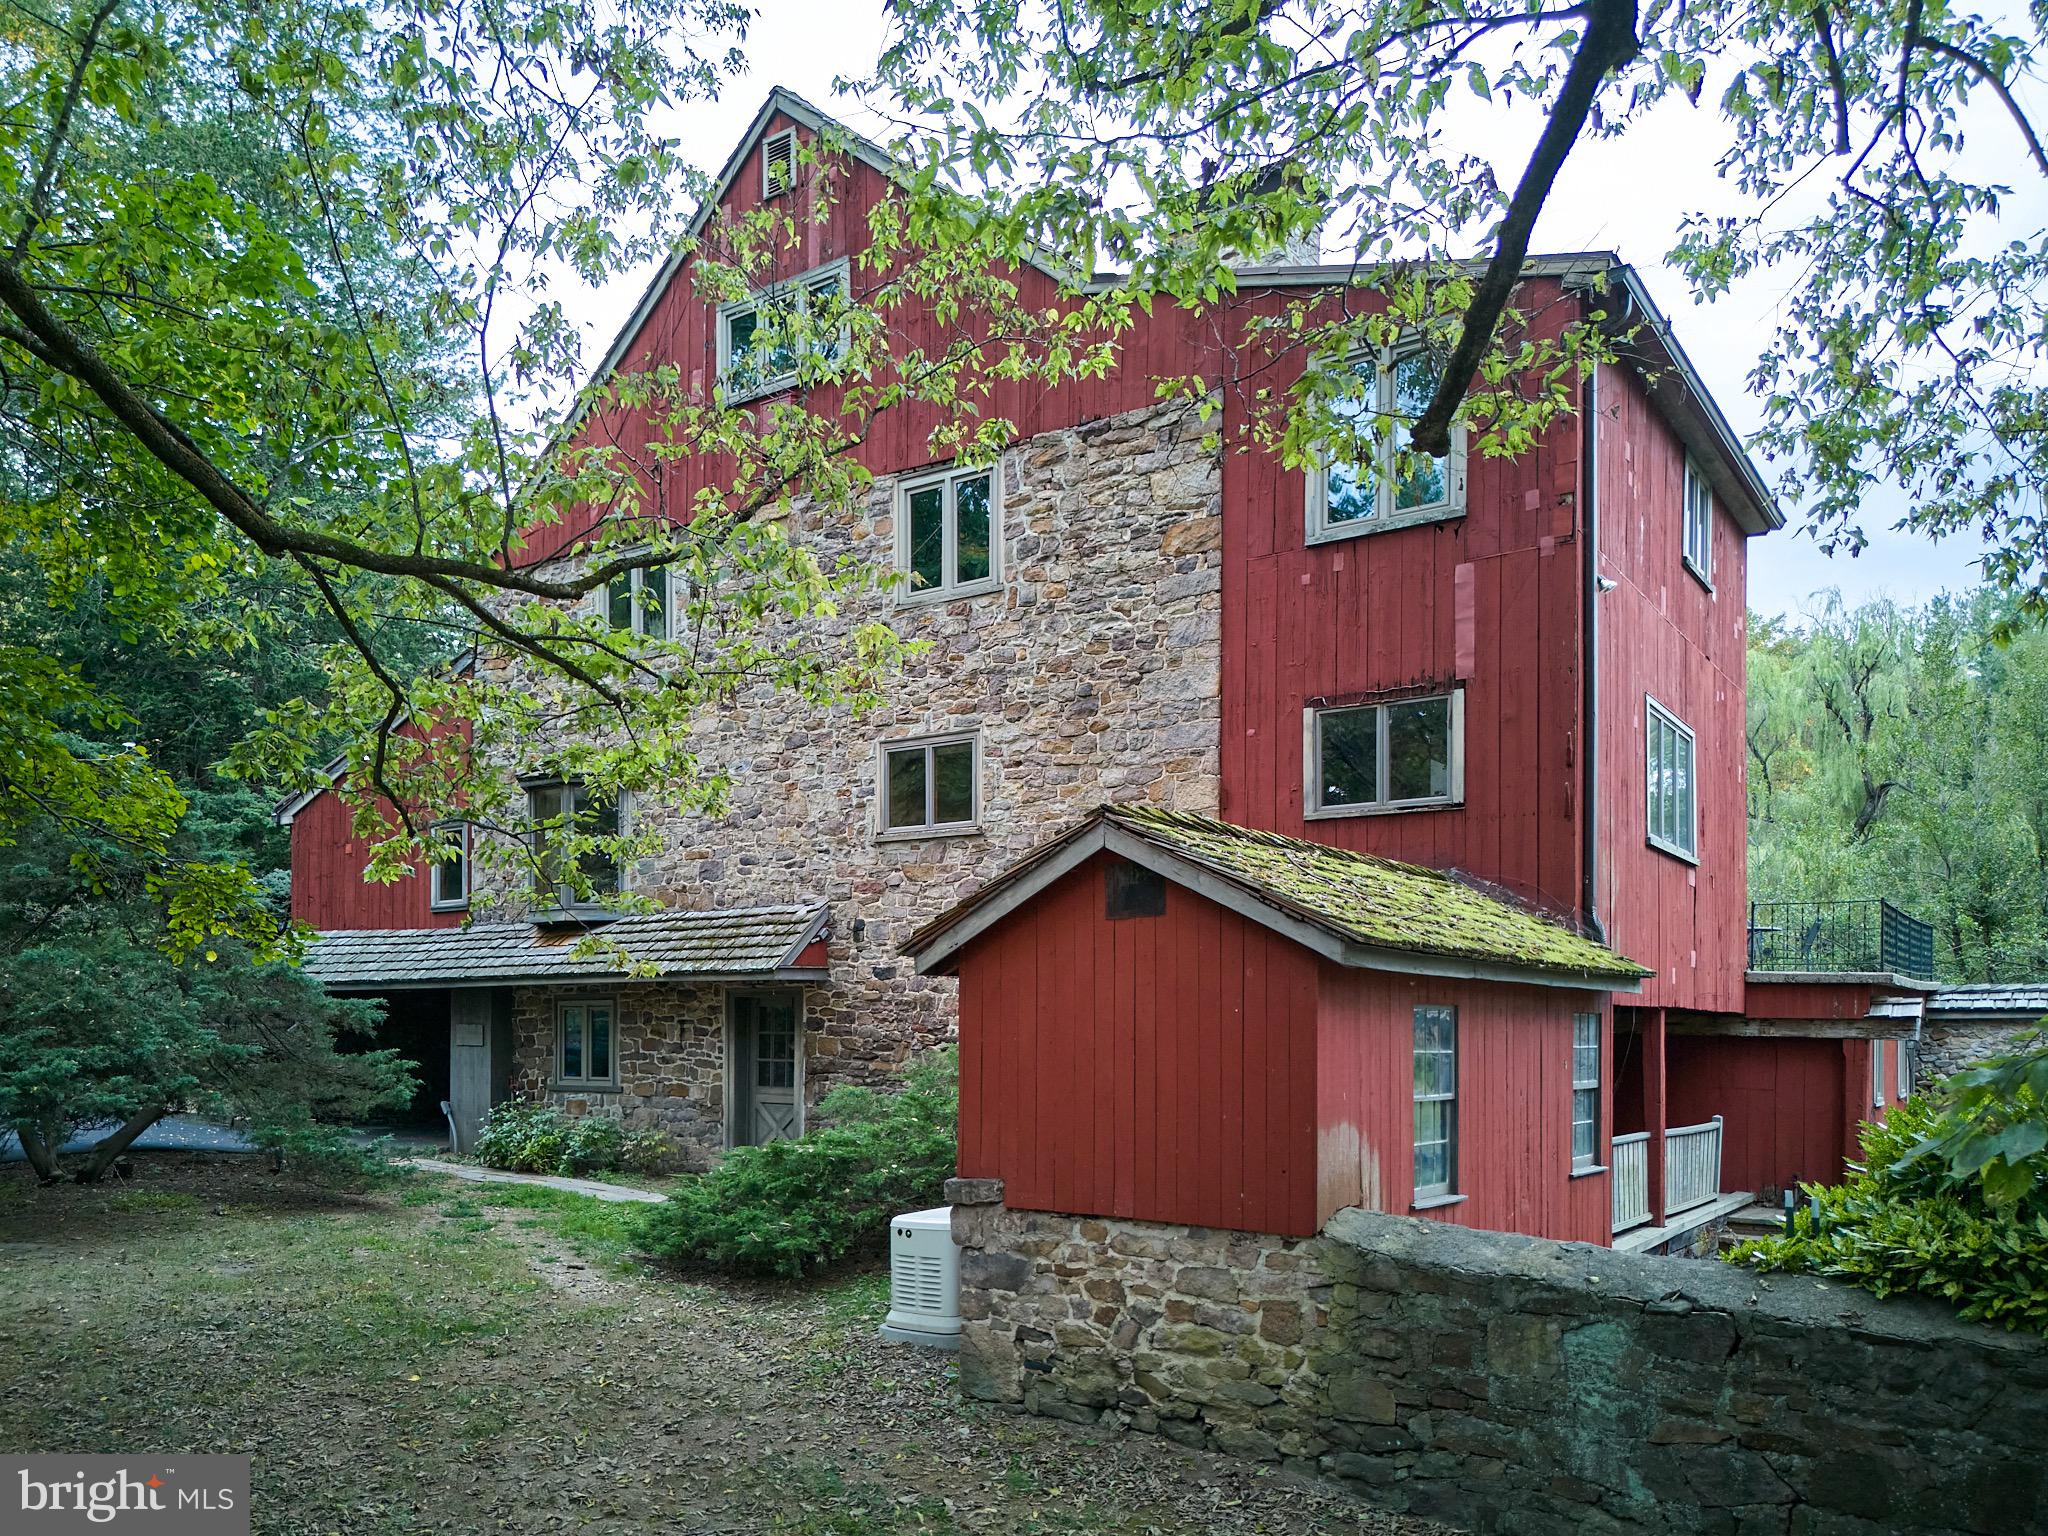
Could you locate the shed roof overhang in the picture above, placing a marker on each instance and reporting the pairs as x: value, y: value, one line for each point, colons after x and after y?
x: 936, y: 948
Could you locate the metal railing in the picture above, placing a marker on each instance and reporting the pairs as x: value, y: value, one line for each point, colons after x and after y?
x: 1631, y: 1180
x: 1692, y: 1166
x: 1839, y: 936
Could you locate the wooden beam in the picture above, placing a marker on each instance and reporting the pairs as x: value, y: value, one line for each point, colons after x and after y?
x: 1738, y: 1027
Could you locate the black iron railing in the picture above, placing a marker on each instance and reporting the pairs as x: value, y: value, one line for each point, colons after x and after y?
x: 1839, y: 936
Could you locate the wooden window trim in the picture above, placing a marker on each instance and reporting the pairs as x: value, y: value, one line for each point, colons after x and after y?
x: 1312, y: 718
x: 559, y: 1077
x: 1590, y: 1161
x: 1386, y: 518
x: 554, y: 905
x: 437, y: 902
x: 1700, y: 563
x: 798, y: 286
x: 1428, y: 1196
x: 1652, y: 713
x: 884, y: 833
x: 909, y: 596
x: 636, y: 580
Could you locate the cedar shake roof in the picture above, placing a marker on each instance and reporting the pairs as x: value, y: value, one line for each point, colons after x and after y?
x: 649, y: 946
x: 1357, y: 908
x: 1991, y: 1000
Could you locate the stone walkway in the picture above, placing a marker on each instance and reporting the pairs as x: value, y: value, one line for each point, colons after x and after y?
x: 617, y: 1193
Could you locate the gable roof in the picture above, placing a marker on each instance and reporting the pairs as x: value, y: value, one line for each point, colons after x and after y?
x: 741, y: 943
x: 1354, y: 908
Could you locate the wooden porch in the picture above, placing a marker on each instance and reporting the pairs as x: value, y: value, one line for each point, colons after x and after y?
x: 1665, y: 1179
x: 1691, y: 1156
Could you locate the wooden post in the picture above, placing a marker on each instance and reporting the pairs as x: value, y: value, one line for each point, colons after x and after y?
x: 1650, y: 1032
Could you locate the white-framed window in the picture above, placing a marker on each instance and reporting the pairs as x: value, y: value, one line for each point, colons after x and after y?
x: 1673, y: 788
x: 1399, y: 755
x: 1366, y: 490
x: 639, y: 600
x: 1699, y: 523
x: 448, y: 879
x: 1904, y: 1051
x: 765, y: 339
x: 586, y: 1043
x: 949, y: 534
x: 1877, y: 1074
x: 778, y: 163
x: 930, y: 786
x: 1436, y: 1102
x: 1585, y: 1089
x: 553, y: 806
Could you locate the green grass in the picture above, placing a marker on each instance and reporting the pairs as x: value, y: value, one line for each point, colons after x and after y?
x: 131, y: 1202
x: 601, y: 1231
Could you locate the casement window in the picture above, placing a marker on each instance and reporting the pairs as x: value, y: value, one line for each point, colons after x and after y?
x: 930, y: 786
x: 1903, y: 1050
x: 1585, y: 1090
x: 639, y: 600
x: 1396, y: 756
x: 1366, y: 486
x: 1699, y: 523
x: 1673, y: 808
x: 586, y: 1044
x: 766, y: 338
x: 947, y: 533
x: 448, y: 888
x: 1436, y: 1102
x: 552, y: 807
x: 778, y: 163
x: 1877, y: 1074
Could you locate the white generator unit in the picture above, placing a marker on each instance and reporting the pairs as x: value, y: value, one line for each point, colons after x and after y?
x: 924, y: 1280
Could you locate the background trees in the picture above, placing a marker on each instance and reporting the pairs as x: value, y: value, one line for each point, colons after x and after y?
x: 1898, y: 752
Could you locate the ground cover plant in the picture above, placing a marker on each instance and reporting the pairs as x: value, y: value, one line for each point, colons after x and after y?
x: 796, y: 1206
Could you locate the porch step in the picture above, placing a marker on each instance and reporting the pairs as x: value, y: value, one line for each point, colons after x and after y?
x: 1645, y: 1239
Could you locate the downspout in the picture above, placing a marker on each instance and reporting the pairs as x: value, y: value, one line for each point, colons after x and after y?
x: 1589, y: 709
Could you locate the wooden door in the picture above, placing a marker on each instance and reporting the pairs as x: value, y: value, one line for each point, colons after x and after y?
x: 469, y: 1062
x: 767, y: 1089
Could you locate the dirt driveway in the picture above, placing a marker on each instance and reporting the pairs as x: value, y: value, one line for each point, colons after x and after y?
x: 445, y: 1358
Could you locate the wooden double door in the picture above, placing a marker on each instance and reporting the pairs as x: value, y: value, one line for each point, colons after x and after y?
x: 764, y: 1050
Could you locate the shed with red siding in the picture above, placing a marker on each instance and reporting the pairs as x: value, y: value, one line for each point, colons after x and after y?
x: 1167, y: 1018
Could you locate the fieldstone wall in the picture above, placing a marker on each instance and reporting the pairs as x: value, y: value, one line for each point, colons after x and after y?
x: 1947, y: 1046
x: 1508, y: 1384
x: 1092, y: 674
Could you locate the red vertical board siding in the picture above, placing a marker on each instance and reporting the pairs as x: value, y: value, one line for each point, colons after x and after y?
x: 1065, y: 1134
x: 1664, y: 634
x: 1788, y: 1106
x: 328, y: 889
x: 1514, y: 1103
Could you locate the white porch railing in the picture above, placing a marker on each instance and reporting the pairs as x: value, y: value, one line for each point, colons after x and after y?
x: 1631, y: 1180
x: 1692, y: 1166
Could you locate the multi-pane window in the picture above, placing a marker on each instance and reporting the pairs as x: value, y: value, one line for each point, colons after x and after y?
x: 558, y: 808
x: 585, y: 1050
x: 1436, y: 1101
x: 1903, y: 1050
x: 946, y: 545
x: 1585, y: 1089
x: 764, y: 341
x: 1369, y: 757
x: 1699, y: 522
x: 929, y: 786
x: 450, y: 873
x: 639, y: 600
x: 1877, y: 1074
x: 1673, y: 812
x: 1370, y: 479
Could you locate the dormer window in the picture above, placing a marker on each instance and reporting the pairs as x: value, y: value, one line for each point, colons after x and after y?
x: 553, y: 808
x: 766, y: 338
x: 778, y: 163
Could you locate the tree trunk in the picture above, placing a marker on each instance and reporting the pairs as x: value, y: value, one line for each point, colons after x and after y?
x: 106, y: 1150
x: 40, y: 1152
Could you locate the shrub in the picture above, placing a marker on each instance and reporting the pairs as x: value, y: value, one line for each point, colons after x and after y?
x: 523, y: 1137
x: 794, y: 1206
x: 647, y: 1152
x: 594, y: 1144
x: 1947, y: 1205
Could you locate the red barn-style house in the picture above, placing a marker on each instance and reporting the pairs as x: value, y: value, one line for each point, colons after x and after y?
x: 1298, y: 839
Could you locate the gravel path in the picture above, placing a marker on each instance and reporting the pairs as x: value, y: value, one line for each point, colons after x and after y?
x: 595, y: 1188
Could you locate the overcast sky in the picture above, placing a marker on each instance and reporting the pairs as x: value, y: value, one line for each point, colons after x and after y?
x: 1626, y: 195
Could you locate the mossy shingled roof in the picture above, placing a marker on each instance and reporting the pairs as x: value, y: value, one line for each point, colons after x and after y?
x: 1374, y: 901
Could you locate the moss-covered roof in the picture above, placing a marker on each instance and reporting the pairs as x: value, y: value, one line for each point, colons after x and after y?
x: 1379, y: 902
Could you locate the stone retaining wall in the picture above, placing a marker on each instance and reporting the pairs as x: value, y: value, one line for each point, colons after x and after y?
x: 1947, y: 1046
x: 1508, y: 1384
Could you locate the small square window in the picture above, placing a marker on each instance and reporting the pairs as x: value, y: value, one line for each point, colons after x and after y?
x: 638, y: 600
x: 1673, y: 809
x: 448, y: 890
x: 1384, y: 757
x: 1373, y: 481
x: 1699, y: 523
x: 948, y: 531
x: 1131, y: 890
x: 586, y: 1047
x: 930, y: 786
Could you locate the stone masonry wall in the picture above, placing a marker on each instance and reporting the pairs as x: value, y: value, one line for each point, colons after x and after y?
x: 1946, y: 1047
x: 1508, y: 1384
x: 1092, y: 674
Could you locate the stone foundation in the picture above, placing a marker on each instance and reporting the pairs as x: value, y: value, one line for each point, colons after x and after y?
x: 1507, y: 1384
x: 1945, y: 1048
